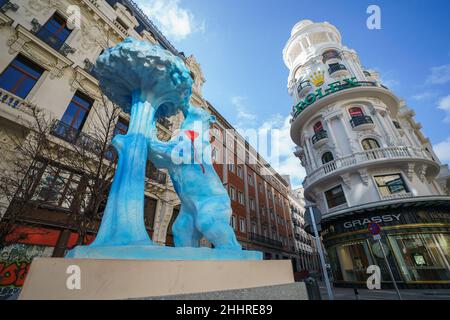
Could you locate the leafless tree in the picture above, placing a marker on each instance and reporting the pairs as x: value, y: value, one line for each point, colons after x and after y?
x: 31, y: 176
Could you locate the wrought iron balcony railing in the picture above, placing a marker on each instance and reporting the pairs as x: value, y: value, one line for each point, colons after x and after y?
x: 264, y: 240
x: 330, y: 54
x: 155, y: 174
x: 75, y: 137
x: 336, y: 67
x: 319, y: 136
x: 8, y: 5
x: 360, y: 120
x: 89, y: 67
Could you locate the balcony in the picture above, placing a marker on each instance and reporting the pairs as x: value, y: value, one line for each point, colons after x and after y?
x: 8, y: 5
x: 76, y: 137
x: 50, y: 39
x: 264, y: 240
x: 330, y: 54
x: 320, y: 138
x: 362, y: 123
x: 337, y: 70
x: 89, y: 67
x: 366, y: 158
x: 155, y: 175
x: 303, y: 88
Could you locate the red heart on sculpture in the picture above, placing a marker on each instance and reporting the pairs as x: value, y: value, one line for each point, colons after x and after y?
x: 192, y: 135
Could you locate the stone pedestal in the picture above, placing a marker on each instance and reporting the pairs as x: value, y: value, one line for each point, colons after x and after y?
x: 55, y: 278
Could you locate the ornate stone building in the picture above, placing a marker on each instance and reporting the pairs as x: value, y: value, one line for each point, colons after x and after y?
x: 304, y: 242
x: 48, y: 50
x: 366, y: 161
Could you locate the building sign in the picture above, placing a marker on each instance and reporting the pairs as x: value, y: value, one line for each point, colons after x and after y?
x: 320, y: 93
x: 376, y: 219
x: 386, y: 217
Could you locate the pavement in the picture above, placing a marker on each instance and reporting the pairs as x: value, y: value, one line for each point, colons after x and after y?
x: 388, y: 294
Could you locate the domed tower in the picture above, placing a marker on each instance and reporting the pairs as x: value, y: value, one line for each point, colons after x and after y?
x: 365, y: 157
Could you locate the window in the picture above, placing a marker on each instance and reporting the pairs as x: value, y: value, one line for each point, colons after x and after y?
x: 232, y: 193
x: 265, y: 232
x: 254, y: 230
x: 352, y: 260
x: 397, y: 124
x: 57, y: 187
x: 122, y: 23
x: 391, y: 184
x: 327, y: 157
x: 263, y: 210
x: 241, y: 224
x: 239, y: 171
x: 422, y: 257
x: 231, y: 167
x: 260, y: 187
x: 121, y: 126
x: 233, y: 222
x: 20, y: 76
x: 355, y: 112
x: 214, y: 154
x: 54, y: 32
x: 250, y: 180
x: 252, y: 204
x: 241, y: 197
x: 335, y: 197
x: 330, y: 54
x: 77, y: 111
x: 370, y: 144
x: 271, y: 213
x: 318, y: 127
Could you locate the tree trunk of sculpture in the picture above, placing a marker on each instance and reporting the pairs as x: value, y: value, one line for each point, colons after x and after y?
x: 123, y: 219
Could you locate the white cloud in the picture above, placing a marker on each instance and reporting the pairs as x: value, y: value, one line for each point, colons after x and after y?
x: 390, y: 83
x: 444, y: 104
x: 288, y: 163
x: 174, y: 21
x: 423, y: 96
x: 242, y: 111
x: 442, y: 150
x: 439, y: 75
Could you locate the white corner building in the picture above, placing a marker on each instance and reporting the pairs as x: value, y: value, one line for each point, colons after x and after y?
x: 366, y: 161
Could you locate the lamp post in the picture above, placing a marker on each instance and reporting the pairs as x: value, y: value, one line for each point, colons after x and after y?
x: 322, y: 259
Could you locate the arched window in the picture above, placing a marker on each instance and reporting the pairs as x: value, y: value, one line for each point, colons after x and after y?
x: 355, y: 112
x: 327, y: 157
x: 370, y: 144
x: 318, y: 127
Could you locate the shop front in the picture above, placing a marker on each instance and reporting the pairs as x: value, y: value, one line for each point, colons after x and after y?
x: 415, y: 236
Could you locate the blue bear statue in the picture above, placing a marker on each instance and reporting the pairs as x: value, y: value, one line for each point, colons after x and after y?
x: 205, y: 204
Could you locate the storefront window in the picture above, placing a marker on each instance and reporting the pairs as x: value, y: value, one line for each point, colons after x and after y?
x: 423, y: 257
x: 390, y: 184
x: 353, y: 259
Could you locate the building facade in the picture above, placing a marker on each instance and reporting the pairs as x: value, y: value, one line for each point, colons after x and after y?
x: 47, y: 63
x: 366, y: 161
x: 304, y: 242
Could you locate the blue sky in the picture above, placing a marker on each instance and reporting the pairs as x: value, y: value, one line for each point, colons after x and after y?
x: 239, y: 46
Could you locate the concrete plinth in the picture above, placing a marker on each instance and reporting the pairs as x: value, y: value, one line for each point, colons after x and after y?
x: 55, y: 278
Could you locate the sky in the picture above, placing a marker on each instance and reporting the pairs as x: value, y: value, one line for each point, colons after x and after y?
x: 239, y: 45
